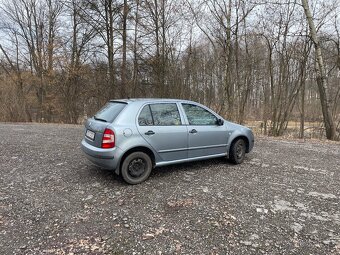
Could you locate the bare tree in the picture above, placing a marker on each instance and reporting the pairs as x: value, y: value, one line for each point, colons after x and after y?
x: 28, y: 18
x: 70, y: 81
x: 124, y: 49
x: 321, y: 76
x: 248, y: 60
x: 14, y: 71
x: 103, y: 17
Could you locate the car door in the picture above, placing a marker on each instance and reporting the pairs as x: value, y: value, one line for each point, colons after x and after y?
x: 162, y: 127
x: 207, y: 136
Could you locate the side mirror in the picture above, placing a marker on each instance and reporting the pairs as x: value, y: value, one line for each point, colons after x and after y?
x: 219, y: 122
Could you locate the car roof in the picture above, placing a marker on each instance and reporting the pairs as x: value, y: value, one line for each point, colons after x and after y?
x: 130, y: 100
x: 142, y: 101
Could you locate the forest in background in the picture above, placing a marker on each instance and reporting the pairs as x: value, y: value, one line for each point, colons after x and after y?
x: 251, y: 61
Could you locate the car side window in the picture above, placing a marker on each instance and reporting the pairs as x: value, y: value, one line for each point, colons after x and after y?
x: 199, y: 116
x: 145, y: 117
x: 165, y: 114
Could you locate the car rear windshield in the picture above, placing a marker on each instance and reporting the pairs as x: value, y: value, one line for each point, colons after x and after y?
x: 109, y: 112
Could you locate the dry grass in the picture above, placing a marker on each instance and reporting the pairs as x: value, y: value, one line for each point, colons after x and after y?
x: 312, y: 130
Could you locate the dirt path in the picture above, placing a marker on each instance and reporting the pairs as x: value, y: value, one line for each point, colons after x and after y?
x: 284, y: 199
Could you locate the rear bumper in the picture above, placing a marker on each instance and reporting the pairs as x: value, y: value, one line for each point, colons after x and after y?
x: 104, y: 158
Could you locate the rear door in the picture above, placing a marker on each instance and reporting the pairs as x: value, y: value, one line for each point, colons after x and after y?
x: 206, y: 137
x: 162, y: 127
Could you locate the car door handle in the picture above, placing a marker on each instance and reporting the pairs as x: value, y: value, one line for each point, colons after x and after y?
x: 193, y: 131
x: 150, y: 132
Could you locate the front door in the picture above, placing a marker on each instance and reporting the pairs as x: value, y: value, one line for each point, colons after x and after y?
x: 206, y: 137
x: 161, y: 126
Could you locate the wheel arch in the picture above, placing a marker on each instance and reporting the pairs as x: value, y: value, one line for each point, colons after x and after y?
x: 144, y: 149
x: 237, y: 137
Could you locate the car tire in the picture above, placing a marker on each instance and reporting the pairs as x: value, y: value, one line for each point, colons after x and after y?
x: 136, y: 167
x: 237, y: 151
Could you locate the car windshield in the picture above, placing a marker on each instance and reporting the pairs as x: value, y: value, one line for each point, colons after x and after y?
x: 109, y: 112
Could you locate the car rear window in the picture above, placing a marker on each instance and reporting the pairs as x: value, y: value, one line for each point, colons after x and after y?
x: 109, y: 112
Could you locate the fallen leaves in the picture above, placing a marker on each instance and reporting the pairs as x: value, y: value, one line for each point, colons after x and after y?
x: 180, y: 203
x: 156, y: 232
x: 148, y: 236
x: 81, y: 246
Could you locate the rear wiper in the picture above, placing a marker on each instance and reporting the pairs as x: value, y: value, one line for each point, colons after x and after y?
x: 99, y: 119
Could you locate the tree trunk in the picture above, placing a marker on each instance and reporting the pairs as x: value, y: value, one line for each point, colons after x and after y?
x: 228, y: 89
x: 123, y: 71
x: 109, y: 37
x: 302, y: 116
x: 321, y: 76
x: 135, y: 57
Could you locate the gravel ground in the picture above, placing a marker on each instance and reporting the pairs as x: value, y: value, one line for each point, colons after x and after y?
x: 284, y: 199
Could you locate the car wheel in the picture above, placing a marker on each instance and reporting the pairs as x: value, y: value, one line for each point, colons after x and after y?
x: 136, y: 167
x: 237, y: 151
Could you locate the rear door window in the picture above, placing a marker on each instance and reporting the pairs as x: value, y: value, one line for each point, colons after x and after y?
x: 109, y: 112
x: 165, y: 115
x: 145, y: 117
x: 160, y: 115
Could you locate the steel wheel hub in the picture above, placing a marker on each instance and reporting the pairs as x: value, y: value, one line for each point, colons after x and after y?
x: 137, y: 167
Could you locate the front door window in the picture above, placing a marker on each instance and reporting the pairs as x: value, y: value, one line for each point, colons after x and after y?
x: 198, y: 116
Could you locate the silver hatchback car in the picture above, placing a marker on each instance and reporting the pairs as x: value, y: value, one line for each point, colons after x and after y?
x: 132, y: 136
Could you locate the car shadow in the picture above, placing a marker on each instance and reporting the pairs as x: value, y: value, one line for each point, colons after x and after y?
x: 191, y: 167
x: 103, y: 175
x: 98, y: 174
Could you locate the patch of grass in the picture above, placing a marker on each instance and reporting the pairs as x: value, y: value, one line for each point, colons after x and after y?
x: 312, y: 129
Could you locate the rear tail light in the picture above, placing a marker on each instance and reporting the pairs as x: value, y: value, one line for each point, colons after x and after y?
x: 108, y: 139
